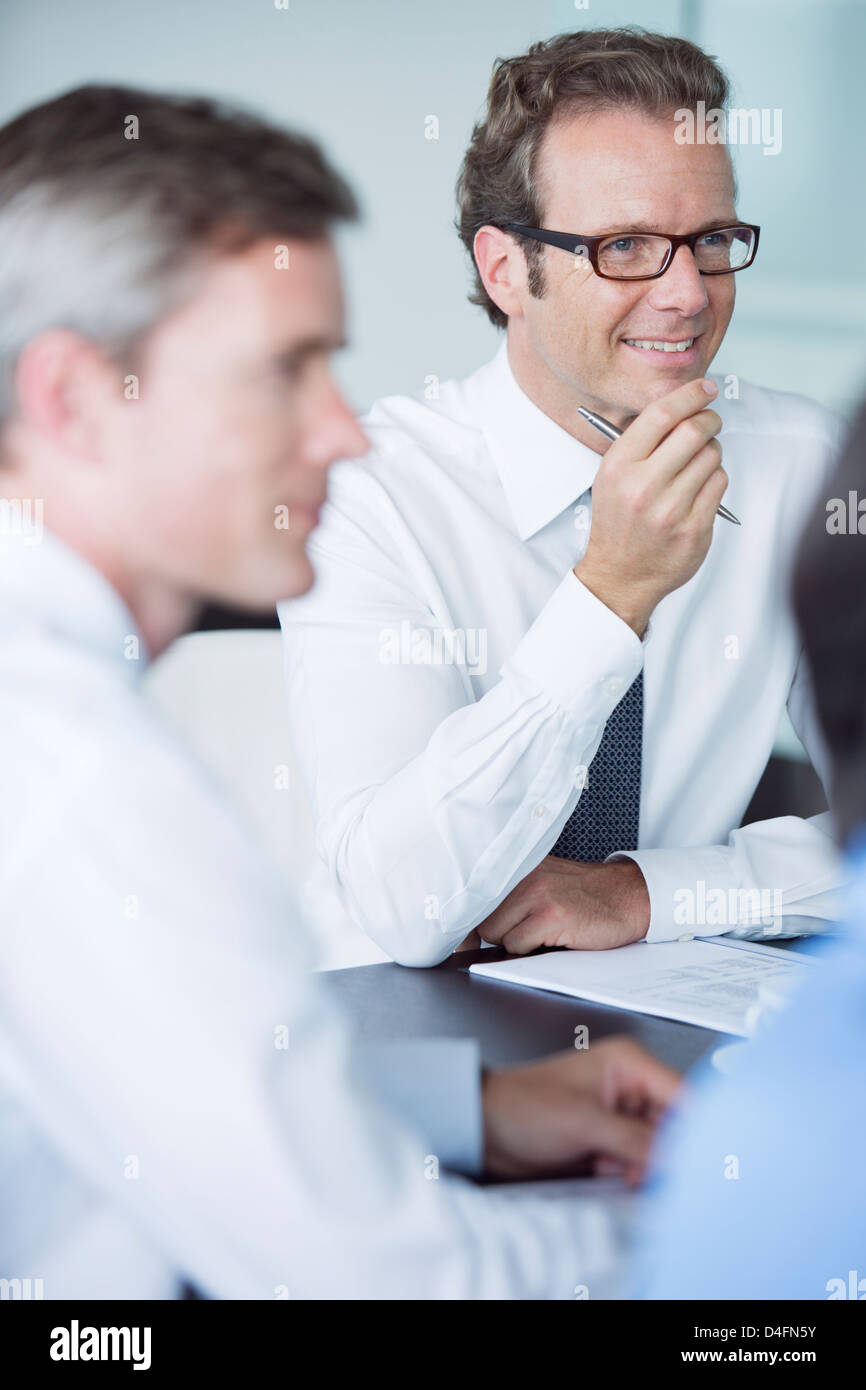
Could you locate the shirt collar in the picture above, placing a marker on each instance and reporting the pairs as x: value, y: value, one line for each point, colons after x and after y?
x: 542, y: 468
x: 46, y: 582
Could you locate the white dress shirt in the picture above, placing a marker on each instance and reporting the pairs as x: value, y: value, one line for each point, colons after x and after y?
x: 177, y: 1097
x: 449, y: 677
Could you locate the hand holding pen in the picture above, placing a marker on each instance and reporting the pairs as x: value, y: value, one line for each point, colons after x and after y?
x: 654, y: 500
x: 611, y: 431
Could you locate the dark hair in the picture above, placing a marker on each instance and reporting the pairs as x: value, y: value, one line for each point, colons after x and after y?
x: 829, y: 593
x: 109, y: 195
x: 593, y: 69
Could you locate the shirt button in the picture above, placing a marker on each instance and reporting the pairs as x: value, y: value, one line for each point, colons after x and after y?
x: 580, y: 777
x: 540, y: 811
x: 611, y: 685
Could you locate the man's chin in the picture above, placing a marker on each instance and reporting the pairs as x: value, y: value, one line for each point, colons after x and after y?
x: 299, y: 580
x: 257, y: 592
x: 640, y: 394
x: 288, y: 576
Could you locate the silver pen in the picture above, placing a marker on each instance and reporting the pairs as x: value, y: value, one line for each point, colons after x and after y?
x: 613, y: 432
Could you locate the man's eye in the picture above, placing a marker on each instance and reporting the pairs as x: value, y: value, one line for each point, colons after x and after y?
x: 716, y: 239
x: 287, y: 371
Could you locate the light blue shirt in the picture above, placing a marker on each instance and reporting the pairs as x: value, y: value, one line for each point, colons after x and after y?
x: 761, y: 1181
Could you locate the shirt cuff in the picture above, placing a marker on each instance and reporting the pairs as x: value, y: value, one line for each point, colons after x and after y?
x: 435, y: 1085
x: 691, y: 891
x: 579, y: 652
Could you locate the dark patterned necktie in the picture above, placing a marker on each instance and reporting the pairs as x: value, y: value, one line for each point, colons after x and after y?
x: 606, y: 816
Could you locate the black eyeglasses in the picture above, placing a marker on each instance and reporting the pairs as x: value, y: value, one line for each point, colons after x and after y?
x: 645, y: 256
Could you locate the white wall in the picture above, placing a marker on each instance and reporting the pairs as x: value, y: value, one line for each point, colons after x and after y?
x: 364, y: 76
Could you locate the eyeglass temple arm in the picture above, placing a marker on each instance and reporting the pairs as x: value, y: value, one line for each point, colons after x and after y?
x: 565, y: 240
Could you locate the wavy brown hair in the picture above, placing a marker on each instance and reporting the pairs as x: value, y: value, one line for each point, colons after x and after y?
x: 591, y: 70
x: 103, y: 233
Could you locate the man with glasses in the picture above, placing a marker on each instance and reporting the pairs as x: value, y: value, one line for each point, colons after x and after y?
x: 540, y: 677
x: 644, y: 256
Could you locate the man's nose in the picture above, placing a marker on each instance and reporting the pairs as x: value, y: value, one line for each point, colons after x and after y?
x: 681, y: 287
x: 334, y: 433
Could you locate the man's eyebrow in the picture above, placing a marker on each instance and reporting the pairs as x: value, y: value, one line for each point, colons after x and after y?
x: 652, y: 229
x: 307, y: 347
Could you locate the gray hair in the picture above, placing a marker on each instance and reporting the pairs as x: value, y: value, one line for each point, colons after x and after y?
x: 111, y: 198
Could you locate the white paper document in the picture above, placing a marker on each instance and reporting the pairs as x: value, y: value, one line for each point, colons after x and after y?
x: 701, y: 982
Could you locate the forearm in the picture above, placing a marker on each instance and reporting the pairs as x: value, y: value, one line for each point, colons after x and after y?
x: 426, y: 854
x: 787, y: 867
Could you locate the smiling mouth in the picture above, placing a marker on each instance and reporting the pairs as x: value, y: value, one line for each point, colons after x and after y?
x: 668, y: 346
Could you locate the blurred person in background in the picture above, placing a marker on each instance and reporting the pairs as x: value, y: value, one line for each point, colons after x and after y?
x: 760, y: 1180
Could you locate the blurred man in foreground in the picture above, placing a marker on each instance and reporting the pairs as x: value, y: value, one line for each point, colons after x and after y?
x: 177, y: 1098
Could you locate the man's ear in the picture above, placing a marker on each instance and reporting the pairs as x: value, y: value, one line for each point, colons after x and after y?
x: 502, y: 267
x: 60, y: 380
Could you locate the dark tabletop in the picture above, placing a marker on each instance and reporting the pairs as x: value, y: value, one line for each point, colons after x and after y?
x: 512, y: 1023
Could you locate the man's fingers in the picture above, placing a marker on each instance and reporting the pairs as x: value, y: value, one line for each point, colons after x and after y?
x: 687, y: 486
x: 606, y: 1167
x: 603, y: 1167
x: 711, y: 493
x: 636, y: 1076
x: 620, y: 1137
x: 472, y: 942
x: 684, y: 444
x: 526, y: 936
x: 655, y: 421
x: 522, y: 902
x: 511, y: 911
